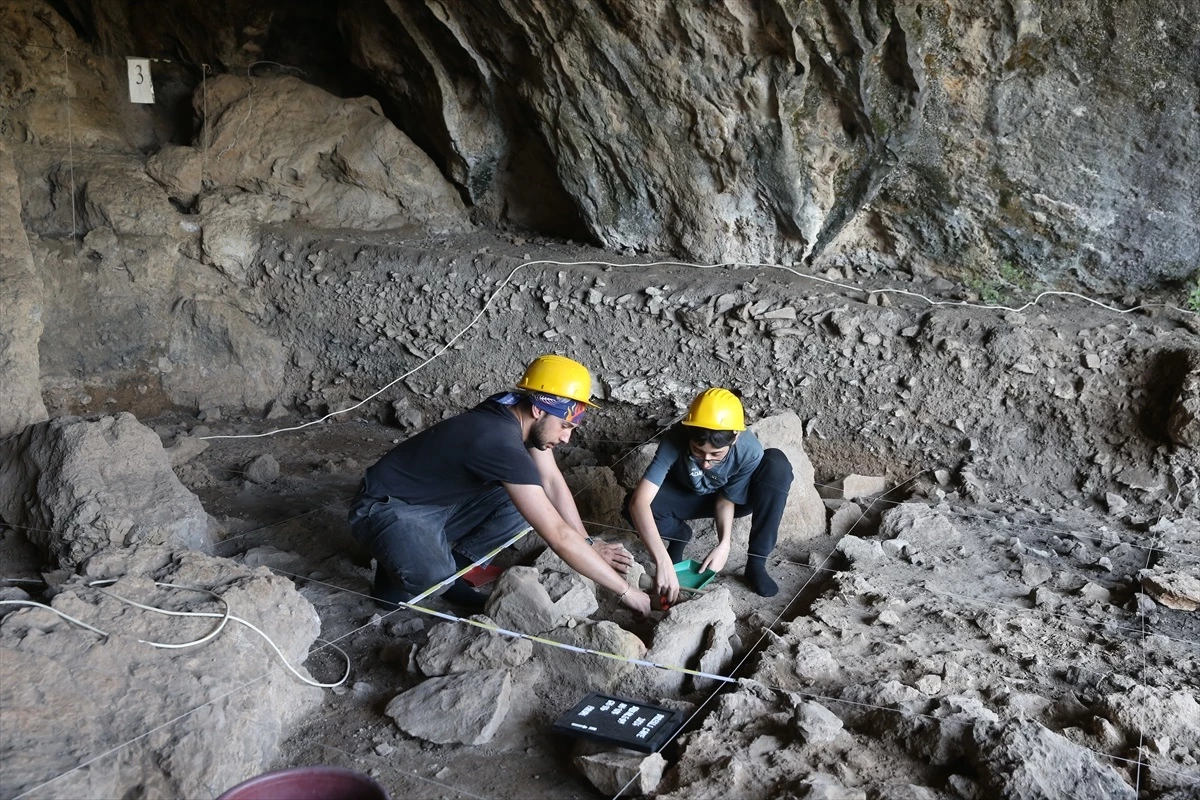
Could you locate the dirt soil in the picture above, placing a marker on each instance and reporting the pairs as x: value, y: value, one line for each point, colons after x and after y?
x: 1032, y: 432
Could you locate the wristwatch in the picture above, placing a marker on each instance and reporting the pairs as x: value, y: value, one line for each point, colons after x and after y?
x: 589, y: 540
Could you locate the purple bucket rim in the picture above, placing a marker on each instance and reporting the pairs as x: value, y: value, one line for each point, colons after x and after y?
x: 366, y: 781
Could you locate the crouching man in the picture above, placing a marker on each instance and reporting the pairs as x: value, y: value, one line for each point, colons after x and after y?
x: 469, y: 483
x: 710, y: 466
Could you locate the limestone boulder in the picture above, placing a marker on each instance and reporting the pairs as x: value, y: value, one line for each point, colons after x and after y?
x: 622, y: 771
x: 217, y: 356
x: 689, y: 630
x: 1023, y: 760
x: 83, y: 485
x: 578, y: 673
x: 918, y: 525
x: 119, y: 195
x: 454, y: 648
x: 336, y: 163
x: 530, y: 601
x: 92, y: 692
x: 178, y: 170
x: 804, y: 515
x: 456, y: 709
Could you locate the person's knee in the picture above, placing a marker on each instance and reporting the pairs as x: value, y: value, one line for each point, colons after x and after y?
x: 776, y: 469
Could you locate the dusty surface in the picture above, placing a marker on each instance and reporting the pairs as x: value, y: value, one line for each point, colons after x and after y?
x: 1030, y: 612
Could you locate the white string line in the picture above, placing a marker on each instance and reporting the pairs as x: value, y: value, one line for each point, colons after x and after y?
x: 70, y: 148
x: 766, y: 629
x: 274, y: 666
x: 250, y: 101
x: 409, y: 773
x: 722, y: 679
x: 204, y: 149
x: 1142, y: 725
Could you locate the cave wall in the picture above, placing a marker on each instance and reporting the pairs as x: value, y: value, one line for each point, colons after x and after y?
x: 1055, y: 138
x: 1041, y: 141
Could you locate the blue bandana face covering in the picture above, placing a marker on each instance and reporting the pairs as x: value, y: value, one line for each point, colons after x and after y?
x: 561, y: 407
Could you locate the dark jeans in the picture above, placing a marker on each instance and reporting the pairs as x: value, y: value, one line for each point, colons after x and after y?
x: 675, y: 504
x: 414, y: 545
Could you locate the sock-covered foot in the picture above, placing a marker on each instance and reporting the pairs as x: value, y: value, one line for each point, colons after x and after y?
x: 460, y: 594
x: 762, y: 583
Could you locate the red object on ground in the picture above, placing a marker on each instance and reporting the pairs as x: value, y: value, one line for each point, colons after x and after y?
x: 478, y: 576
x: 308, y: 783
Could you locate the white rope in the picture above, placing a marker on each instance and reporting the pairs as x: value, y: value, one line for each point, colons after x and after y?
x: 70, y: 147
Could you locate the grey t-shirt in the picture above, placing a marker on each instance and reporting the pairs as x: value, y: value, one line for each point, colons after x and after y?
x: 730, y: 476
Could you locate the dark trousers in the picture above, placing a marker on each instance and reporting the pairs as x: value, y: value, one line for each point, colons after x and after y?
x: 675, y: 504
x: 415, y: 545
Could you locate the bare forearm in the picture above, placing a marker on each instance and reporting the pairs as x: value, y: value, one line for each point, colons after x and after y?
x: 723, y: 517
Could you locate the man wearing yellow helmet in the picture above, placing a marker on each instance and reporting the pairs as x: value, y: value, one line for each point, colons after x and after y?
x: 454, y: 492
x: 711, y: 466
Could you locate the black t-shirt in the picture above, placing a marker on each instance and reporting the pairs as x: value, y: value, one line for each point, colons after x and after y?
x: 455, y: 459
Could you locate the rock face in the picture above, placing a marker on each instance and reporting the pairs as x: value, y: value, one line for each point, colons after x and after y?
x: 690, y: 630
x: 1183, y: 425
x: 463, y: 709
x: 339, y: 163
x: 92, y: 693
x: 220, y: 357
x: 82, y: 485
x: 948, y: 136
x: 804, y: 514
x: 21, y: 323
x: 1023, y: 761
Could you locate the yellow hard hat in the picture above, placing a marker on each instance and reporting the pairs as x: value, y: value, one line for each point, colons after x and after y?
x: 716, y: 409
x: 559, y: 376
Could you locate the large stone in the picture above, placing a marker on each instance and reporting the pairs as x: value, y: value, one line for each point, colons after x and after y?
x: 456, y: 647
x: 577, y: 673
x: 1177, y: 590
x: 815, y: 723
x: 681, y: 639
x: 919, y: 525
x: 119, y: 196
x: 1183, y: 424
x: 70, y: 695
x: 218, y: 357
x: 21, y: 323
x: 338, y: 162
x: 532, y: 601
x: 178, y: 170
x: 83, y: 485
x: 457, y: 709
x: 1023, y: 760
x: 804, y: 514
x: 622, y: 771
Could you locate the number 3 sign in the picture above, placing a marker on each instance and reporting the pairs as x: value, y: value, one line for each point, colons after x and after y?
x: 141, y: 88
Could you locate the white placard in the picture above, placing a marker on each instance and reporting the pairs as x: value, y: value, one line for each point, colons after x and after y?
x: 141, y: 88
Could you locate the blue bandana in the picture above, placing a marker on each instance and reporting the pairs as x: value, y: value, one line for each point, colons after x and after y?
x: 561, y: 407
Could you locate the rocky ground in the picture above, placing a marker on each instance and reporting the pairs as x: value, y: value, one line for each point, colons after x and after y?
x: 1033, y: 603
